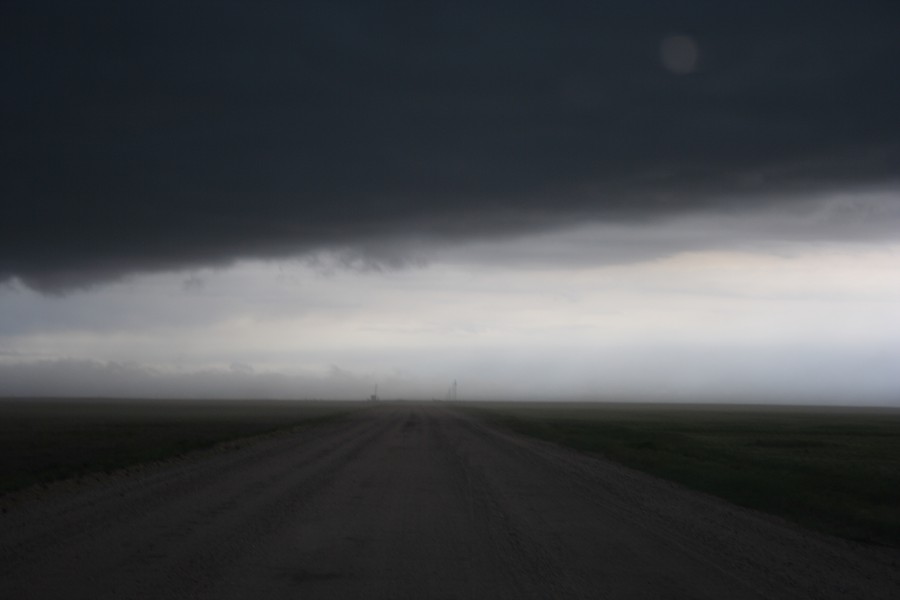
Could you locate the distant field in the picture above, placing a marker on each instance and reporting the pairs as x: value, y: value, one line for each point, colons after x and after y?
x: 831, y: 469
x: 47, y: 440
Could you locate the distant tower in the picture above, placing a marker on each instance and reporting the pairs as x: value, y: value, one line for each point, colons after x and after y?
x: 451, y: 394
x: 374, y: 396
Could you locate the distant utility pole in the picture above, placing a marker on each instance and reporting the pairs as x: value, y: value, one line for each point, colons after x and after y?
x: 374, y: 397
x: 451, y: 393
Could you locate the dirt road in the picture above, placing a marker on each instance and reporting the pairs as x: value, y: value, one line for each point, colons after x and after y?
x: 415, y: 502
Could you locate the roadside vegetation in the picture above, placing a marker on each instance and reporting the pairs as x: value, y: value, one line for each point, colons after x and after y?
x: 836, y: 470
x: 47, y: 440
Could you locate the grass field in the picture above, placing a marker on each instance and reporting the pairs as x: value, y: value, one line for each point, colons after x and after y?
x: 830, y: 469
x: 47, y: 440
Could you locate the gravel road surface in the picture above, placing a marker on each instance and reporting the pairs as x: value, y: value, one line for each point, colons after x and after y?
x: 414, y: 501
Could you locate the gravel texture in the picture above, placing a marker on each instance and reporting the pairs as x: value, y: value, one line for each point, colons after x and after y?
x: 414, y: 501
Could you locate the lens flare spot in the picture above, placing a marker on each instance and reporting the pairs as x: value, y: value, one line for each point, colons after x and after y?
x: 679, y: 54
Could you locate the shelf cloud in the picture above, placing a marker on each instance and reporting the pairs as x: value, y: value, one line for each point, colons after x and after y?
x: 168, y: 135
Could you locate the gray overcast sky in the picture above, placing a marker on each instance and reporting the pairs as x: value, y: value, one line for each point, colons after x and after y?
x: 693, y: 200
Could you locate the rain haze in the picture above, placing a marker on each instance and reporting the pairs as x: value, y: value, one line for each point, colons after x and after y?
x: 571, y: 200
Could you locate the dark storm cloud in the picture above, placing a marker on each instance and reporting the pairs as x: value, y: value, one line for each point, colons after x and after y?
x: 160, y: 135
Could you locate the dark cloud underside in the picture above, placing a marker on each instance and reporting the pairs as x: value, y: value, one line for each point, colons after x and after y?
x: 144, y: 136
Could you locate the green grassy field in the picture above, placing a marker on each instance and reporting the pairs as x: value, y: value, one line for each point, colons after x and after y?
x: 830, y: 469
x: 47, y: 440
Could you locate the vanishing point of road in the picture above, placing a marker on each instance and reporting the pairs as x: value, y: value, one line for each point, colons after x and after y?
x: 414, y: 501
